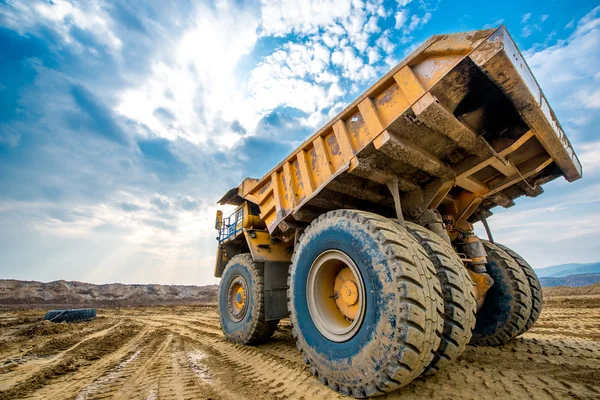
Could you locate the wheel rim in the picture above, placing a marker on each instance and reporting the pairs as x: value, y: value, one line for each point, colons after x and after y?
x: 335, y: 295
x: 237, y: 299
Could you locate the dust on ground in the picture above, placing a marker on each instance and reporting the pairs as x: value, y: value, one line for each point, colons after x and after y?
x: 179, y: 353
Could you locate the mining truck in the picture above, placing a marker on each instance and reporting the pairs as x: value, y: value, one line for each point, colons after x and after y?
x: 363, y: 236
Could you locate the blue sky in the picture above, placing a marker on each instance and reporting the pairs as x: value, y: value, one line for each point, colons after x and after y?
x: 122, y: 122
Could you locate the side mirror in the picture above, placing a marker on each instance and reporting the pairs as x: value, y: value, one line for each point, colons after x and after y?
x: 219, y: 220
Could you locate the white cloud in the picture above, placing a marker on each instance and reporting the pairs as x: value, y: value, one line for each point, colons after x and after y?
x: 589, y: 22
x: 279, y: 17
x: 373, y: 55
x: 62, y: 16
x: 279, y: 79
x: 371, y: 25
x: 401, y: 17
x: 529, y: 26
x: 384, y: 42
x: 330, y: 40
x: 589, y: 155
x: 333, y: 42
x: 198, y: 84
x: 354, y: 20
x: 418, y: 22
x: 494, y: 24
x: 568, y: 72
x: 376, y: 7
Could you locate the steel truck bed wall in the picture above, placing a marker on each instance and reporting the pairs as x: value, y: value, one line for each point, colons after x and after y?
x: 460, y: 123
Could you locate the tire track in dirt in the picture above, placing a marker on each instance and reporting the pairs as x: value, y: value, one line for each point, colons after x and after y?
x: 32, y: 366
x: 180, y: 353
x: 282, y: 344
x: 74, y: 363
x: 129, y: 376
x: 263, y: 365
x: 502, y: 376
x: 45, y: 342
x: 184, y: 376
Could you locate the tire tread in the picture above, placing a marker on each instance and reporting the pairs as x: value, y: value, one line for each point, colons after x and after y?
x: 537, y: 298
x: 259, y: 330
x: 460, y: 305
x: 521, y: 302
x: 413, y: 269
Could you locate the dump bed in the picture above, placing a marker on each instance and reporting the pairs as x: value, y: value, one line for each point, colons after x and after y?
x: 460, y: 123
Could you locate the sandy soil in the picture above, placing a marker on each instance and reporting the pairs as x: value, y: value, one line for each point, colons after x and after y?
x: 179, y: 353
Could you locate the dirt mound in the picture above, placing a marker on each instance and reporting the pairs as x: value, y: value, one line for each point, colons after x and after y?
x: 14, y: 292
x: 44, y: 328
x: 572, y: 291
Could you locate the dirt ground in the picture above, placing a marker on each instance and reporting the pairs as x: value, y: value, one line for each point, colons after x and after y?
x: 179, y: 353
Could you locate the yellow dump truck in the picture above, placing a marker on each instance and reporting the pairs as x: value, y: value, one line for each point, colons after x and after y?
x: 363, y: 236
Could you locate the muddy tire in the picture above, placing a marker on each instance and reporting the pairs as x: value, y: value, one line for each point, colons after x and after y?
x: 402, y: 311
x: 76, y: 315
x: 460, y: 305
x: 241, y: 302
x: 507, y: 304
x: 534, y: 285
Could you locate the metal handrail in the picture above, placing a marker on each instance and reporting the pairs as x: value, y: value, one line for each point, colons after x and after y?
x: 228, y: 228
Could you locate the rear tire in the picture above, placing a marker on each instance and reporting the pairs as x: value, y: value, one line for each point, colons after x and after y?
x: 537, y: 299
x: 402, y: 305
x: 507, y: 304
x: 241, y: 302
x: 460, y: 305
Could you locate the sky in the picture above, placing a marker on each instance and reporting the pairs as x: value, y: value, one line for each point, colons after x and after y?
x: 123, y: 122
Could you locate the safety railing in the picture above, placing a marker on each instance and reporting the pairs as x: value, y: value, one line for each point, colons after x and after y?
x: 231, y: 226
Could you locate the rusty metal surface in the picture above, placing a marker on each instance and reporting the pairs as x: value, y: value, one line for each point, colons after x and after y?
x: 461, y: 123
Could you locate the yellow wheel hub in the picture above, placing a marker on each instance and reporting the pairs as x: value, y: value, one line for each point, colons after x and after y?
x: 335, y: 295
x: 240, y: 297
x: 237, y: 302
x: 346, y: 293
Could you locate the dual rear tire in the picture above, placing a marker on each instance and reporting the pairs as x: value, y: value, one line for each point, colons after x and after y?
x: 404, y: 325
x: 513, y: 304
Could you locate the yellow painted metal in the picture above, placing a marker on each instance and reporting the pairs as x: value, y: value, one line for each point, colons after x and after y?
x: 264, y: 247
x: 482, y: 282
x: 220, y: 261
x: 346, y: 293
x: 331, y: 150
x: 240, y: 297
x: 219, y: 220
x: 405, y: 93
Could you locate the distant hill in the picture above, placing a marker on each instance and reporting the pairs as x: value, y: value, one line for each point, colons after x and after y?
x: 564, y: 270
x: 72, y: 293
x: 571, y: 291
x: 571, y: 280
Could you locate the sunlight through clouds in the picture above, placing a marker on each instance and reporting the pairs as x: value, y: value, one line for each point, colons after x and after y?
x: 122, y: 123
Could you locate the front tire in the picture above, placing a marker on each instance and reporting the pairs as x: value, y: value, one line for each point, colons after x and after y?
x: 241, y: 302
x: 402, y: 305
